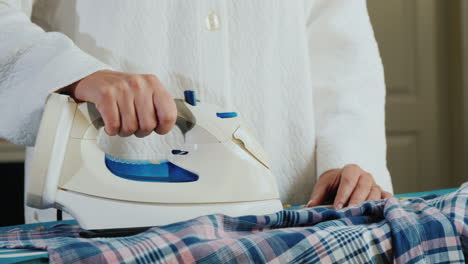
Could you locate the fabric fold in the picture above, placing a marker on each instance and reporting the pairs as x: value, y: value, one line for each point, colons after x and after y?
x: 430, y: 229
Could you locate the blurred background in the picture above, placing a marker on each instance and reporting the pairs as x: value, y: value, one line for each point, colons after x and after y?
x: 424, y: 47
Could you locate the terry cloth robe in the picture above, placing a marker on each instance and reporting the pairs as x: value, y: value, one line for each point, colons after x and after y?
x: 306, y: 76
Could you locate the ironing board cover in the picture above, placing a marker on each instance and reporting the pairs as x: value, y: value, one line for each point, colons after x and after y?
x: 430, y: 229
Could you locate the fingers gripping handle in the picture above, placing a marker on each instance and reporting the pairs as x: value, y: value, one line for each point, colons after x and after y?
x: 88, y: 121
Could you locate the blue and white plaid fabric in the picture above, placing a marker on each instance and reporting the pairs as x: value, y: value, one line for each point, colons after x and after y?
x: 431, y: 229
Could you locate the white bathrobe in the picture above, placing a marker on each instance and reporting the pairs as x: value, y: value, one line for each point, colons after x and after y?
x: 305, y: 75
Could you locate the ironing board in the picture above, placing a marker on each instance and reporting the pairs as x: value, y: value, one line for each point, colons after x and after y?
x: 27, y: 255
x: 37, y: 256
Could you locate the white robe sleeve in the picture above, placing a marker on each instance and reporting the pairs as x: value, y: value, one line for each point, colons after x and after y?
x: 349, y: 88
x: 33, y: 63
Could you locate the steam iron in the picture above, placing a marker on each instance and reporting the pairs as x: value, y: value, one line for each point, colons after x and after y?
x: 220, y: 169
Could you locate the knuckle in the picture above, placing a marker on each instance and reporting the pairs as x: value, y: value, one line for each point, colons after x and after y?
x: 168, y: 119
x: 147, y: 127
x: 132, y: 79
x: 105, y: 93
x: 363, y: 184
x: 352, y: 166
x: 131, y: 128
x: 152, y: 78
x: 348, y: 179
x: 122, y: 86
x: 161, y: 130
x: 173, y: 117
x: 366, y: 179
x: 113, y: 130
x: 113, y: 125
x: 141, y: 134
x: 128, y: 129
x: 135, y: 82
x: 110, y: 131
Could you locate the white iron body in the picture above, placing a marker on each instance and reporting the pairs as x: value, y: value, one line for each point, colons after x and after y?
x: 69, y: 172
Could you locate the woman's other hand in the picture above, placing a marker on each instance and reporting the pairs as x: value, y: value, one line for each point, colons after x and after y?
x: 350, y: 185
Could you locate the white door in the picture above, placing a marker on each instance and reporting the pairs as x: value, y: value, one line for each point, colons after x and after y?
x: 409, y: 33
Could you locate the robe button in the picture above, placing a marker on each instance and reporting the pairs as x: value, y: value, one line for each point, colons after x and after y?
x: 212, y: 22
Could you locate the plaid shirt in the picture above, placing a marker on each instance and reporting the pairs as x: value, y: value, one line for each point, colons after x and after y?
x: 431, y: 229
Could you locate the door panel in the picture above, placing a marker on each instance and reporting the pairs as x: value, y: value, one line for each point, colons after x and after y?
x: 409, y: 40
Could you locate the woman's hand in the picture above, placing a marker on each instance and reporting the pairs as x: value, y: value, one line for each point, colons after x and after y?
x: 350, y: 185
x: 128, y: 103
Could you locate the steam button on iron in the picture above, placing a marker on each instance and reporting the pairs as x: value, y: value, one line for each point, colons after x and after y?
x: 190, y: 98
x: 179, y: 152
x: 226, y: 114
